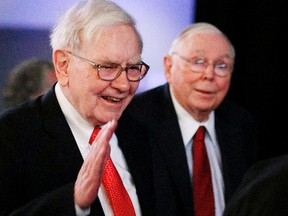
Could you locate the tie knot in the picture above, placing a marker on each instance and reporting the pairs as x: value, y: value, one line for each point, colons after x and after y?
x: 94, y: 134
x: 200, y: 134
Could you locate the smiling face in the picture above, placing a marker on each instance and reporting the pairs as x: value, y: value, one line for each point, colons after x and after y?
x: 96, y: 100
x: 199, y: 93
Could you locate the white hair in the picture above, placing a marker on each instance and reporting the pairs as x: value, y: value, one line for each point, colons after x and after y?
x: 200, y: 27
x: 87, y: 18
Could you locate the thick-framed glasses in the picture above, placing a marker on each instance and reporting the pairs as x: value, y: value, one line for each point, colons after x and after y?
x: 199, y: 65
x: 112, y: 71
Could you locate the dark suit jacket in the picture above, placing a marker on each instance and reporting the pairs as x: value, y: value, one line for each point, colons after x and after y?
x: 40, y: 160
x: 235, y: 130
x: 264, y: 190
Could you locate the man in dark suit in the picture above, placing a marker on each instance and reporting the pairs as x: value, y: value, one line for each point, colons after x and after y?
x: 47, y: 166
x: 198, y: 69
x: 263, y: 190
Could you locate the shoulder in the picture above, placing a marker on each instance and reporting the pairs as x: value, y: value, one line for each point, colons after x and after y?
x: 233, y: 113
x: 275, y: 169
x: 17, y: 115
x: 27, y: 116
x: 228, y: 106
x: 263, y: 190
x: 152, y: 105
x: 156, y: 93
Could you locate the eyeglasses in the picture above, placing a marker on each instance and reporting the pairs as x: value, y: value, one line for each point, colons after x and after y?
x: 198, y: 65
x: 112, y: 71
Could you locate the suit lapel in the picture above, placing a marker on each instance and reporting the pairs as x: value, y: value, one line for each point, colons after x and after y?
x: 231, y: 143
x: 62, y: 148
x: 137, y: 153
x: 169, y: 140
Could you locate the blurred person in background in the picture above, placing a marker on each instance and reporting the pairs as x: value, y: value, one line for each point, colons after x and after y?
x: 28, y: 80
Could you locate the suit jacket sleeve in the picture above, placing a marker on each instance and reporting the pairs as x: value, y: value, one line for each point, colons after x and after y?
x: 59, y: 202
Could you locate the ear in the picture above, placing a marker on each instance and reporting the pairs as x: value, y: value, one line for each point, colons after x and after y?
x: 167, y: 66
x: 61, y: 62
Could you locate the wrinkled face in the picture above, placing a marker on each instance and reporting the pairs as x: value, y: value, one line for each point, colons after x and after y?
x: 100, y: 101
x: 199, y: 93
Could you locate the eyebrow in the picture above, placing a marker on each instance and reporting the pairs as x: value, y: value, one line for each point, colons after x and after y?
x: 110, y: 61
x: 226, y: 55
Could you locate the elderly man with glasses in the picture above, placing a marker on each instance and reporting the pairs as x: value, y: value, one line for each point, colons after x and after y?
x: 198, y: 69
x: 48, y: 165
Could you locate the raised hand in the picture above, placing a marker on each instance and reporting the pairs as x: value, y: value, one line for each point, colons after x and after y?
x: 90, y: 175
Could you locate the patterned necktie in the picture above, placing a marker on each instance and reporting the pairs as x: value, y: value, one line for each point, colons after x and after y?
x: 115, y: 190
x: 202, y: 181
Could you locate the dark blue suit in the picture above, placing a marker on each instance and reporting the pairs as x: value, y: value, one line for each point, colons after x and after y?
x: 235, y: 131
x: 40, y: 160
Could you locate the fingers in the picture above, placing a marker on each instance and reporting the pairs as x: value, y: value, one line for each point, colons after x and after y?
x: 90, y: 175
x: 106, y: 132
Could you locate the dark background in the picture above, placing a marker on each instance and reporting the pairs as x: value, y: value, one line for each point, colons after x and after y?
x: 257, y: 28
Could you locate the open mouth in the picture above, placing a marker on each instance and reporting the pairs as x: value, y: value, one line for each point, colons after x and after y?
x: 111, y: 99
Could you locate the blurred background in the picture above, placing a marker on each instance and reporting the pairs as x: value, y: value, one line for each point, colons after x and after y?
x: 25, y: 28
x: 257, y: 28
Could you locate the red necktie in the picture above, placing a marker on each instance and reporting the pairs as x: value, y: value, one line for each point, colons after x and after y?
x: 202, y: 181
x: 115, y: 190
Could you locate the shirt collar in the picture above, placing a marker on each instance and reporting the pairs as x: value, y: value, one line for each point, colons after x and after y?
x: 74, y: 119
x: 188, y: 125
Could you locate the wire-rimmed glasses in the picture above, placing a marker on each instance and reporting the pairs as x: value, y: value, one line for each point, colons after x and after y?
x: 198, y: 65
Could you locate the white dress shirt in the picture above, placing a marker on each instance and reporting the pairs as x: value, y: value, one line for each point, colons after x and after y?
x: 188, y: 127
x: 82, y: 131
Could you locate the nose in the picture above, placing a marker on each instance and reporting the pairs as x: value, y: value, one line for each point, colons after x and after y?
x: 121, y: 82
x: 209, y: 70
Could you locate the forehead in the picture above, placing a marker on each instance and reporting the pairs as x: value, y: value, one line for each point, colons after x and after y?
x: 206, y: 43
x: 114, y: 42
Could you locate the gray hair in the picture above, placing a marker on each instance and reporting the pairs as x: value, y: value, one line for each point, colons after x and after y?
x: 200, y: 27
x: 86, y: 19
